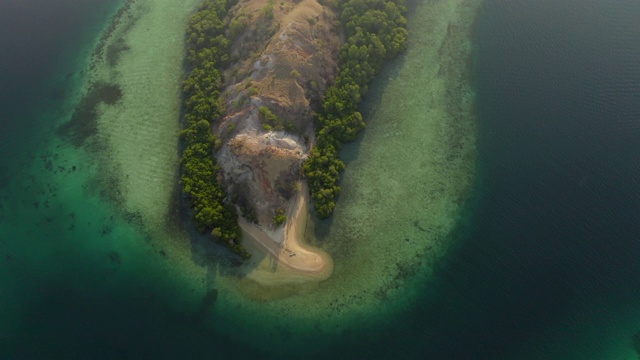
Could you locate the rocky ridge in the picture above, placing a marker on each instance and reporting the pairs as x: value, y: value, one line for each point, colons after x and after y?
x: 282, y: 62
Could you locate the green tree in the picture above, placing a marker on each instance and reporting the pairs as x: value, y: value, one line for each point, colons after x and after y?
x: 279, y: 218
x: 207, y: 52
x: 376, y: 31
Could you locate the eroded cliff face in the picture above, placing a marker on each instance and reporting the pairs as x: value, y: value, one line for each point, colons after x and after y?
x: 263, y: 171
x: 284, y: 57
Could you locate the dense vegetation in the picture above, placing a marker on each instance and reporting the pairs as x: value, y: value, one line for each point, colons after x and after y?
x: 208, y: 49
x: 376, y: 32
x: 270, y: 121
x: 280, y: 217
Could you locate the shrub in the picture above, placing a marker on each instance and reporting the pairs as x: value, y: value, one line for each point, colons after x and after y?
x: 279, y: 217
x: 267, y: 10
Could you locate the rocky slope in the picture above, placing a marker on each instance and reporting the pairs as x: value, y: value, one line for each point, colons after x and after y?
x: 282, y: 60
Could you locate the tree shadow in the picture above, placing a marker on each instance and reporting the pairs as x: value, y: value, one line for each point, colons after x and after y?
x: 210, y: 254
x: 204, y: 252
x: 350, y: 152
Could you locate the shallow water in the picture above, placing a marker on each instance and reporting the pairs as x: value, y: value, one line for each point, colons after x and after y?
x: 518, y: 245
x: 108, y: 170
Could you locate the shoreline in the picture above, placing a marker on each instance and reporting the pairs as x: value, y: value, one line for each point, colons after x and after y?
x: 375, y: 257
x: 287, y: 247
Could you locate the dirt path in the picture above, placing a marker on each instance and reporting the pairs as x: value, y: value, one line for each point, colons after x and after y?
x: 293, y: 253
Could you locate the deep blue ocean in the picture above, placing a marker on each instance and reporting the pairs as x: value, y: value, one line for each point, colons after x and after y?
x: 546, y: 262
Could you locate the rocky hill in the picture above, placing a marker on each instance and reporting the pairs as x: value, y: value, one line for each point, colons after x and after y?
x: 284, y: 57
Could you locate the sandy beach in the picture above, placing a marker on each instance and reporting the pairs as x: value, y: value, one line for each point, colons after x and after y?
x: 286, y: 247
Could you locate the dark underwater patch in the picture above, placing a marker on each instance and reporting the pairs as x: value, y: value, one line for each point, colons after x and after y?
x: 208, y: 300
x: 134, y: 218
x: 84, y: 121
x: 115, y: 258
x: 122, y: 14
x: 115, y: 50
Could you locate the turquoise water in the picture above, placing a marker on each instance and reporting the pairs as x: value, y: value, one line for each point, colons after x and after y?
x: 540, y: 263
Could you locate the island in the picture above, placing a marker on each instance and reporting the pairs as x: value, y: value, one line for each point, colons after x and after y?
x: 272, y: 94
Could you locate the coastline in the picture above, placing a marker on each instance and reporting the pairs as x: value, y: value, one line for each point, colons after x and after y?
x: 286, y: 247
x: 382, y: 236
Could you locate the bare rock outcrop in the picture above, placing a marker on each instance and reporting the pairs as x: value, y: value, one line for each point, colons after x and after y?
x: 264, y: 171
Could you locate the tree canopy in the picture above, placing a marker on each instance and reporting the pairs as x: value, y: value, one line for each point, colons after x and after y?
x: 207, y: 52
x: 376, y: 31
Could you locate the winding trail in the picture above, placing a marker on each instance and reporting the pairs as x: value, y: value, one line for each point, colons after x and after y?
x: 289, y: 250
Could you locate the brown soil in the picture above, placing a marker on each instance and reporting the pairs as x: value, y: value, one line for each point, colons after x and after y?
x: 284, y: 57
x: 284, y: 63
